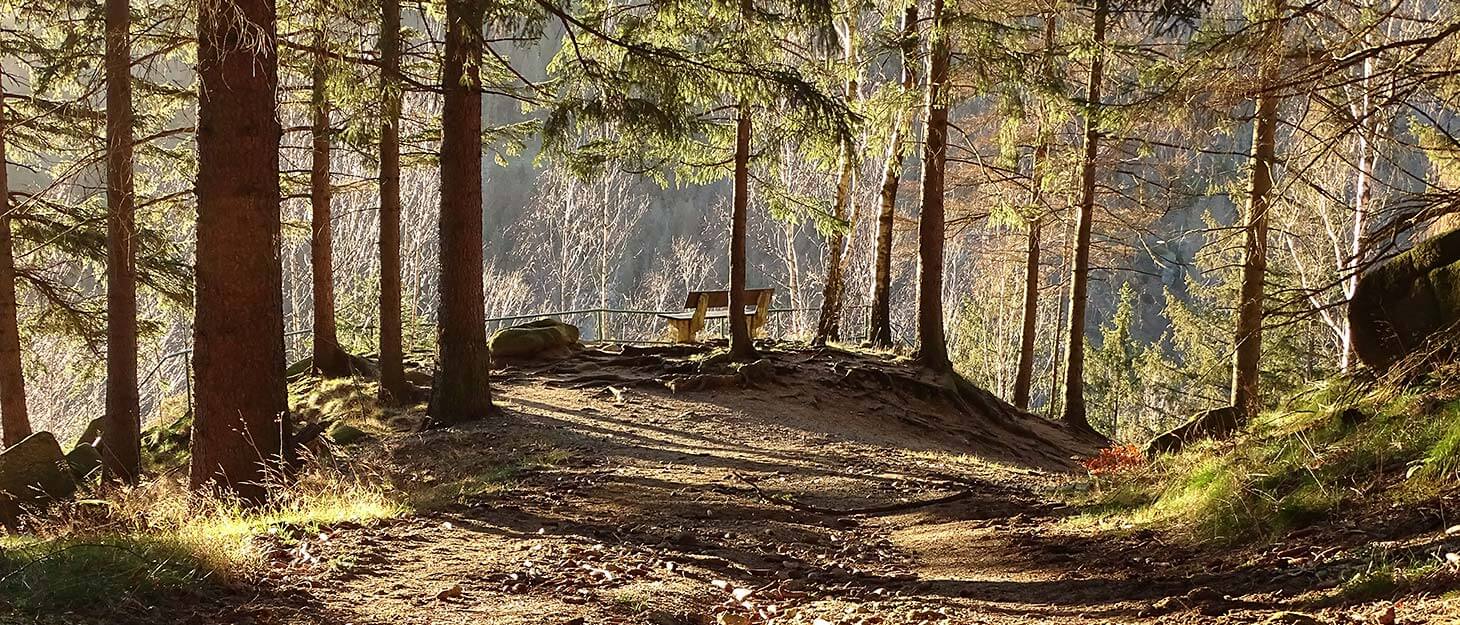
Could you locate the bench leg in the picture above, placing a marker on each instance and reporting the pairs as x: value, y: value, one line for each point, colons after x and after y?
x: 680, y: 328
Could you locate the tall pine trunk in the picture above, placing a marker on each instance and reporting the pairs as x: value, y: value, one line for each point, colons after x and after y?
x: 121, y: 449
x: 932, y: 347
x: 460, y: 390
x: 329, y: 360
x: 828, y: 327
x: 393, y: 387
x: 879, y: 321
x: 1024, y: 371
x: 1246, y: 392
x: 1074, y: 408
x: 741, y: 347
x: 241, y: 405
x: 14, y: 420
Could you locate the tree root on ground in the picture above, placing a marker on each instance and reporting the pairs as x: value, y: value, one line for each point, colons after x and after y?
x: 787, y: 500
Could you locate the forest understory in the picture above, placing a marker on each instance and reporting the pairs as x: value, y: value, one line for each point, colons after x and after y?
x: 828, y: 487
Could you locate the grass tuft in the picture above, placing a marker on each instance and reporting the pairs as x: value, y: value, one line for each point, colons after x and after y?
x: 1291, y: 468
x: 95, y: 554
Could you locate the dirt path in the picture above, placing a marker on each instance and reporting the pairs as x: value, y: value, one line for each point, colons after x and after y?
x: 590, y: 506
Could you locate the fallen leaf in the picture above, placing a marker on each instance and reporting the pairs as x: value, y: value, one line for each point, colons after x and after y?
x: 727, y: 618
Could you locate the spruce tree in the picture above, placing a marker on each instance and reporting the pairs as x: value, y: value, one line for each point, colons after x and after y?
x: 14, y: 419
x: 1074, y: 402
x: 932, y: 346
x: 393, y: 385
x: 460, y: 390
x: 241, y: 421
x: 121, y: 445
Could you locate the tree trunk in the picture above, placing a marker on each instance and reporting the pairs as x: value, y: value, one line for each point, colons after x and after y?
x: 828, y: 327
x: 932, y: 347
x: 1246, y: 394
x: 121, y: 449
x: 329, y: 360
x: 879, y: 322
x: 460, y: 390
x: 241, y: 405
x: 14, y: 420
x: 1074, y: 408
x: 1024, y: 373
x: 741, y: 347
x: 393, y: 387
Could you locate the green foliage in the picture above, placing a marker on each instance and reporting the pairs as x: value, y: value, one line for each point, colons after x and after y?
x: 658, y: 90
x: 1329, y: 450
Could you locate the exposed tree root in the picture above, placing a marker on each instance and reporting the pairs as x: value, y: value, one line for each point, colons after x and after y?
x: 787, y: 500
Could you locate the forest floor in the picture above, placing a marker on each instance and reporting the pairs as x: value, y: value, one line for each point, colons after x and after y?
x: 837, y: 489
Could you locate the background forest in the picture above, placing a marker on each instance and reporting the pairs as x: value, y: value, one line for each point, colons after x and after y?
x: 589, y: 206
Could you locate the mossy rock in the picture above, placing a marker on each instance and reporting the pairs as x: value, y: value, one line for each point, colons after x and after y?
x: 346, y: 434
x: 32, y: 472
x: 1403, y: 302
x: 84, y: 460
x: 534, y: 339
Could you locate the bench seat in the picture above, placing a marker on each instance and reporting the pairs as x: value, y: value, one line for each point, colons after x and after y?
x: 702, y: 305
x: 709, y: 314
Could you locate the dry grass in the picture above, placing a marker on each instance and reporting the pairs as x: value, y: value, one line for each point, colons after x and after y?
x: 124, y: 543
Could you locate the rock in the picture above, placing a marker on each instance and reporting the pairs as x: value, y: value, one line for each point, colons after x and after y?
x: 91, y: 435
x: 345, y: 434
x: 83, y: 460
x: 533, y: 340
x: 1291, y: 618
x: 32, y: 473
x: 1404, y: 301
x: 299, y: 368
x: 1214, y: 423
x: 757, y: 372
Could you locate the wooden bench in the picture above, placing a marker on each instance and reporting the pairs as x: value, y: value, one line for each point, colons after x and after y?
x: 702, y: 305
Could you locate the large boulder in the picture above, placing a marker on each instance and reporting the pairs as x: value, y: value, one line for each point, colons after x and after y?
x: 1401, y: 303
x: 532, y: 340
x: 1214, y: 423
x: 85, y: 460
x: 32, y: 473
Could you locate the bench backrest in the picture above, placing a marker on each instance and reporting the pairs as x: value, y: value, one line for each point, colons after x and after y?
x: 721, y: 299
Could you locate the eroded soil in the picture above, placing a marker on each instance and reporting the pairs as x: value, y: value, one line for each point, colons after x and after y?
x: 584, y: 504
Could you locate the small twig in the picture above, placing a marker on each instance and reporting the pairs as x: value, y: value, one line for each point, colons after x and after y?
x: 787, y: 500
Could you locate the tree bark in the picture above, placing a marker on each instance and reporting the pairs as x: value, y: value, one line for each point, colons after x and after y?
x: 1024, y: 372
x: 329, y: 360
x: 828, y: 327
x: 1074, y: 408
x: 1246, y: 391
x: 932, y: 347
x: 14, y: 419
x: 121, y: 436
x: 741, y: 347
x: 240, y: 398
x: 393, y: 386
x: 879, y: 323
x: 460, y: 390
